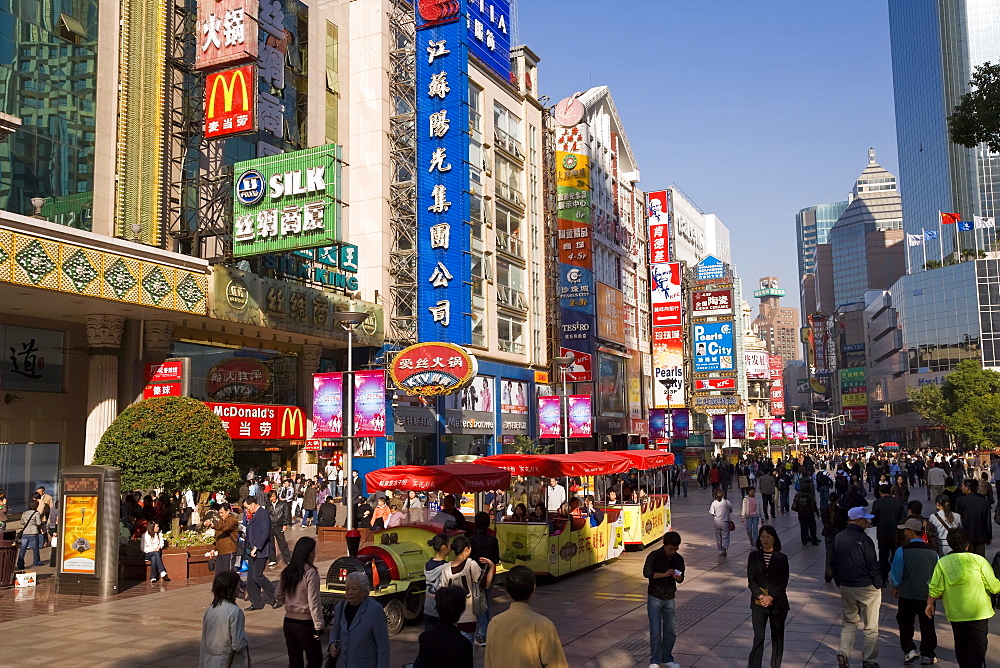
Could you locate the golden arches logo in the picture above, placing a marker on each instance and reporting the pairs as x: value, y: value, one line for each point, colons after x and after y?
x: 292, y: 423
x: 228, y: 91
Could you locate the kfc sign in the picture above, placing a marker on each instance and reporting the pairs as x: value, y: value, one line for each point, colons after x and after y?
x: 230, y: 101
x: 580, y: 370
x: 715, y: 384
x: 712, y: 302
x: 226, y: 32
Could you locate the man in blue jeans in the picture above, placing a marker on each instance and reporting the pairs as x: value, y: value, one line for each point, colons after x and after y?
x: 31, y: 536
x: 664, y: 568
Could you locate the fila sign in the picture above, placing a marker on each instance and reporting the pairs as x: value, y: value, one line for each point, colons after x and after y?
x: 230, y: 102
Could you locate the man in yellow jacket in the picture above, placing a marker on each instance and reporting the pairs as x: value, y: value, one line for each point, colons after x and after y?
x: 521, y: 637
x: 964, y: 581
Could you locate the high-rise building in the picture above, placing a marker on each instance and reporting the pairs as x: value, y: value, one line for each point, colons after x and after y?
x: 812, y: 229
x: 866, y: 240
x: 777, y: 326
x: 936, y: 45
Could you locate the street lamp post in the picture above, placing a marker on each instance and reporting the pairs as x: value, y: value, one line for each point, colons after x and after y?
x: 349, y: 320
x: 564, y: 362
x: 795, y: 425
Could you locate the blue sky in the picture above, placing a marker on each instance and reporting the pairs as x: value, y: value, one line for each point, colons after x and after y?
x: 756, y: 109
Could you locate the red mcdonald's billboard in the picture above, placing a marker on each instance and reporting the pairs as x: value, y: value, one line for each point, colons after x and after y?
x: 230, y: 102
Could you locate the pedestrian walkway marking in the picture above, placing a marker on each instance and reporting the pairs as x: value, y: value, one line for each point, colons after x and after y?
x: 612, y: 596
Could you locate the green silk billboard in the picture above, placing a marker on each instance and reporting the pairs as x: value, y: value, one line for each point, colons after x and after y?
x: 287, y: 202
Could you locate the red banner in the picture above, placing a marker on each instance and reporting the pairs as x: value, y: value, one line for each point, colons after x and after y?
x: 230, y: 102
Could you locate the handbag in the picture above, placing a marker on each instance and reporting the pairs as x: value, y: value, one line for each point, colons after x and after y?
x: 732, y: 525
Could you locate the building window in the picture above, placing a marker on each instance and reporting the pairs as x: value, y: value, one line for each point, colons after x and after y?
x: 507, y: 130
x: 510, y: 334
x: 508, y: 229
x: 510, y: 286
x: 507, y: 178
x: 475, y: 111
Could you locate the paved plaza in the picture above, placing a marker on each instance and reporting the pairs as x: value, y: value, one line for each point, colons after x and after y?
x: 600, y: 614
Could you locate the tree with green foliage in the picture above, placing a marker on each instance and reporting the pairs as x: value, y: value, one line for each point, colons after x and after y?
x: 172, y: 443
x: 967, y: 404
x: 523, y: 445
x: 976, y: 119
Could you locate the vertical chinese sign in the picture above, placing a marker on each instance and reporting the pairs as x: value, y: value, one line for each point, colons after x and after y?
x: 227, y: 37
x: 665, y: 306
x: 444, y: 268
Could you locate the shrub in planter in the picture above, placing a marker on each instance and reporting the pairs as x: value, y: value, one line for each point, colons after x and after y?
x: 172, y: 443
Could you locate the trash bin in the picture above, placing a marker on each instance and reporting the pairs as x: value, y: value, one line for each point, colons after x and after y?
x: 8, y: 558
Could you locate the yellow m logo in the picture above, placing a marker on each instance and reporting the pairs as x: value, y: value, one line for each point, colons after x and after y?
x: 292, y: 423
x: 228, y: 88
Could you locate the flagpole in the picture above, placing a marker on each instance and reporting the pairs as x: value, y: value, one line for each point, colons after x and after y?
x: 958, y: 242
x: 923, y: 244
x: 940, y: 238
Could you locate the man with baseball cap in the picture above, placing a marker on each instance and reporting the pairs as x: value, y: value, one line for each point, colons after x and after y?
x: 856, y: 572
x: 912, y: 568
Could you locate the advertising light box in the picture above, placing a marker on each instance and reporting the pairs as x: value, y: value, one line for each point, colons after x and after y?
x: 287, y: 202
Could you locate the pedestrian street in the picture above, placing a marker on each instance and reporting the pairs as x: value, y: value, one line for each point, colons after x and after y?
x: 600, y: 613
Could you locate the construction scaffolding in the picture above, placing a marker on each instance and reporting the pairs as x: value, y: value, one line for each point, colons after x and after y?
x: 197, y: 201
x: 401, y: 321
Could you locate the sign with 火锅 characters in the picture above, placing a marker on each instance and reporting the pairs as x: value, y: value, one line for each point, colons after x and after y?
x: 287, y: 202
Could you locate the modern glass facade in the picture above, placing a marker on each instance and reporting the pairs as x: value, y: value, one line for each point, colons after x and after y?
x: 48, y: 69
x: 936, y: 44
x: 948, y: 315
x: 812, y: 227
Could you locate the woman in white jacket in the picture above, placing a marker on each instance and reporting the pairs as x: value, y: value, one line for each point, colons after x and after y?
x: 224, y: 642
x: 944, y: 521
x: 750, y: 515
x: 152, y: 543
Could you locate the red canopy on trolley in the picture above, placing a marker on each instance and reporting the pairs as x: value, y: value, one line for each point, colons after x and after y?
x: 646, y: 459
x: 530, y: 465
x: 559, y: 466
x: 451, y: 478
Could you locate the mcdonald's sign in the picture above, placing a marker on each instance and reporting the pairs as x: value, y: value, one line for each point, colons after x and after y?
x: 260, y: 421
x: 231, y: 102
x: 293, y: 422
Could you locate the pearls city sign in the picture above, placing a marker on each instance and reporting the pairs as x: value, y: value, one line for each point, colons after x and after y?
x: 287, y: 202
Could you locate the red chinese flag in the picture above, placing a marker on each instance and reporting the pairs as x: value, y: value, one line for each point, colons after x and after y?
x: 950, y: 218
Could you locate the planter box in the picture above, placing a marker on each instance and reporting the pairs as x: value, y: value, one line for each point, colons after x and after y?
x: 198, y: 562
x: 175, y: 560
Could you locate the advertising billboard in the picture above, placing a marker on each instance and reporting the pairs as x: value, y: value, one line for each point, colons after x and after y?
x: 610, y: 313
x: 657, y: 423
x: 710, y: 268
x: 757, y: 364
x: 611, y: 385
x: 287, y: 202
x: 444, y: 272
x: 658, y: 224
x: 668, y: 367
x: 328, y: 405
x: 227, y: 33
x: 760, y: 429
x: 681, y: 422
x: 820, y: 339
x: 738, y: 423
x: 78, y: 553
x: 719, y: 427
x: 549, y: 417
x: 369, y: 403
x: 715, y: 383
x: 776, y: 366
x: 713, y: 346
x: 432, y: 369
x: 513, y: 396
x: 231, y: 102
x: 711, y: 302
x: 665, y: 294
x: 580, y: 416
x: 575, y: 244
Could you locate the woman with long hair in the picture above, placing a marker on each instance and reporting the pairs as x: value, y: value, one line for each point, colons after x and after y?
x: 767, y: 578
x: 224, y: 641
x: 468, y: 574
x: 520, y: 514
x: 433, y: 572
x: 900, y: 490
x: 298, y: 592
x: 152, y: 544
x: 944, y: 520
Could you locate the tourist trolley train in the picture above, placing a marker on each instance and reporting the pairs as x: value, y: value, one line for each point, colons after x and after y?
x: 394, y: 558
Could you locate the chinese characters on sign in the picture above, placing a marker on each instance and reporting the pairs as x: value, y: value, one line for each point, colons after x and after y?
x: 32, y: 359
x: 260, y: 421
x: 226, y: 32
x: 229, y: 102
x: 712, y: 302
x: 287, y: 202
x: 432, y: 369
x: 443, y: 264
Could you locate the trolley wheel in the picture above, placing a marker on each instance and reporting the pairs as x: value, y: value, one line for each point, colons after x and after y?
x: 394, y: 616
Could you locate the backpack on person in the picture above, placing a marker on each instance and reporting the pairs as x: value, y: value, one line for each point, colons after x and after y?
x: 930, y: 535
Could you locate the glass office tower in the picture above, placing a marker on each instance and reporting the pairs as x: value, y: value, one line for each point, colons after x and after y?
x: 936, y: 45
x: 812, y: 227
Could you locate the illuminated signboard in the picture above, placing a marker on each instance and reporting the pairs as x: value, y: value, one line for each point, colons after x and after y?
x: 226, y: 31
x: 260, y: 421
x: 287, y: 202
x: 432, y: 369
x: 230, y: 102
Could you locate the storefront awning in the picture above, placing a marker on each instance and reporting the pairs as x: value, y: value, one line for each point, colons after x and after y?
x: 530, y: 465
x: 451, y: 478
x: 558, y: 466
x: 646, y: 459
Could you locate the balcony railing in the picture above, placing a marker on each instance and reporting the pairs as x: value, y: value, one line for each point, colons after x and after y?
x: 510, y: 244
x: 511, y: 298
x: 509, y: 193
x: 510, y: 346
x: 505, y: 142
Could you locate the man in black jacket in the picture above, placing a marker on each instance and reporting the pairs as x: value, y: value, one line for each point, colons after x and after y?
x: 975, y: 512
x: 856, y: 572
x: 664, y: 568
x: 888, y: 512
x: 912, y: 567
x: 281, y: 517
x: 486, y: 545
x: 258, y: 549
x: 327, y: 516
